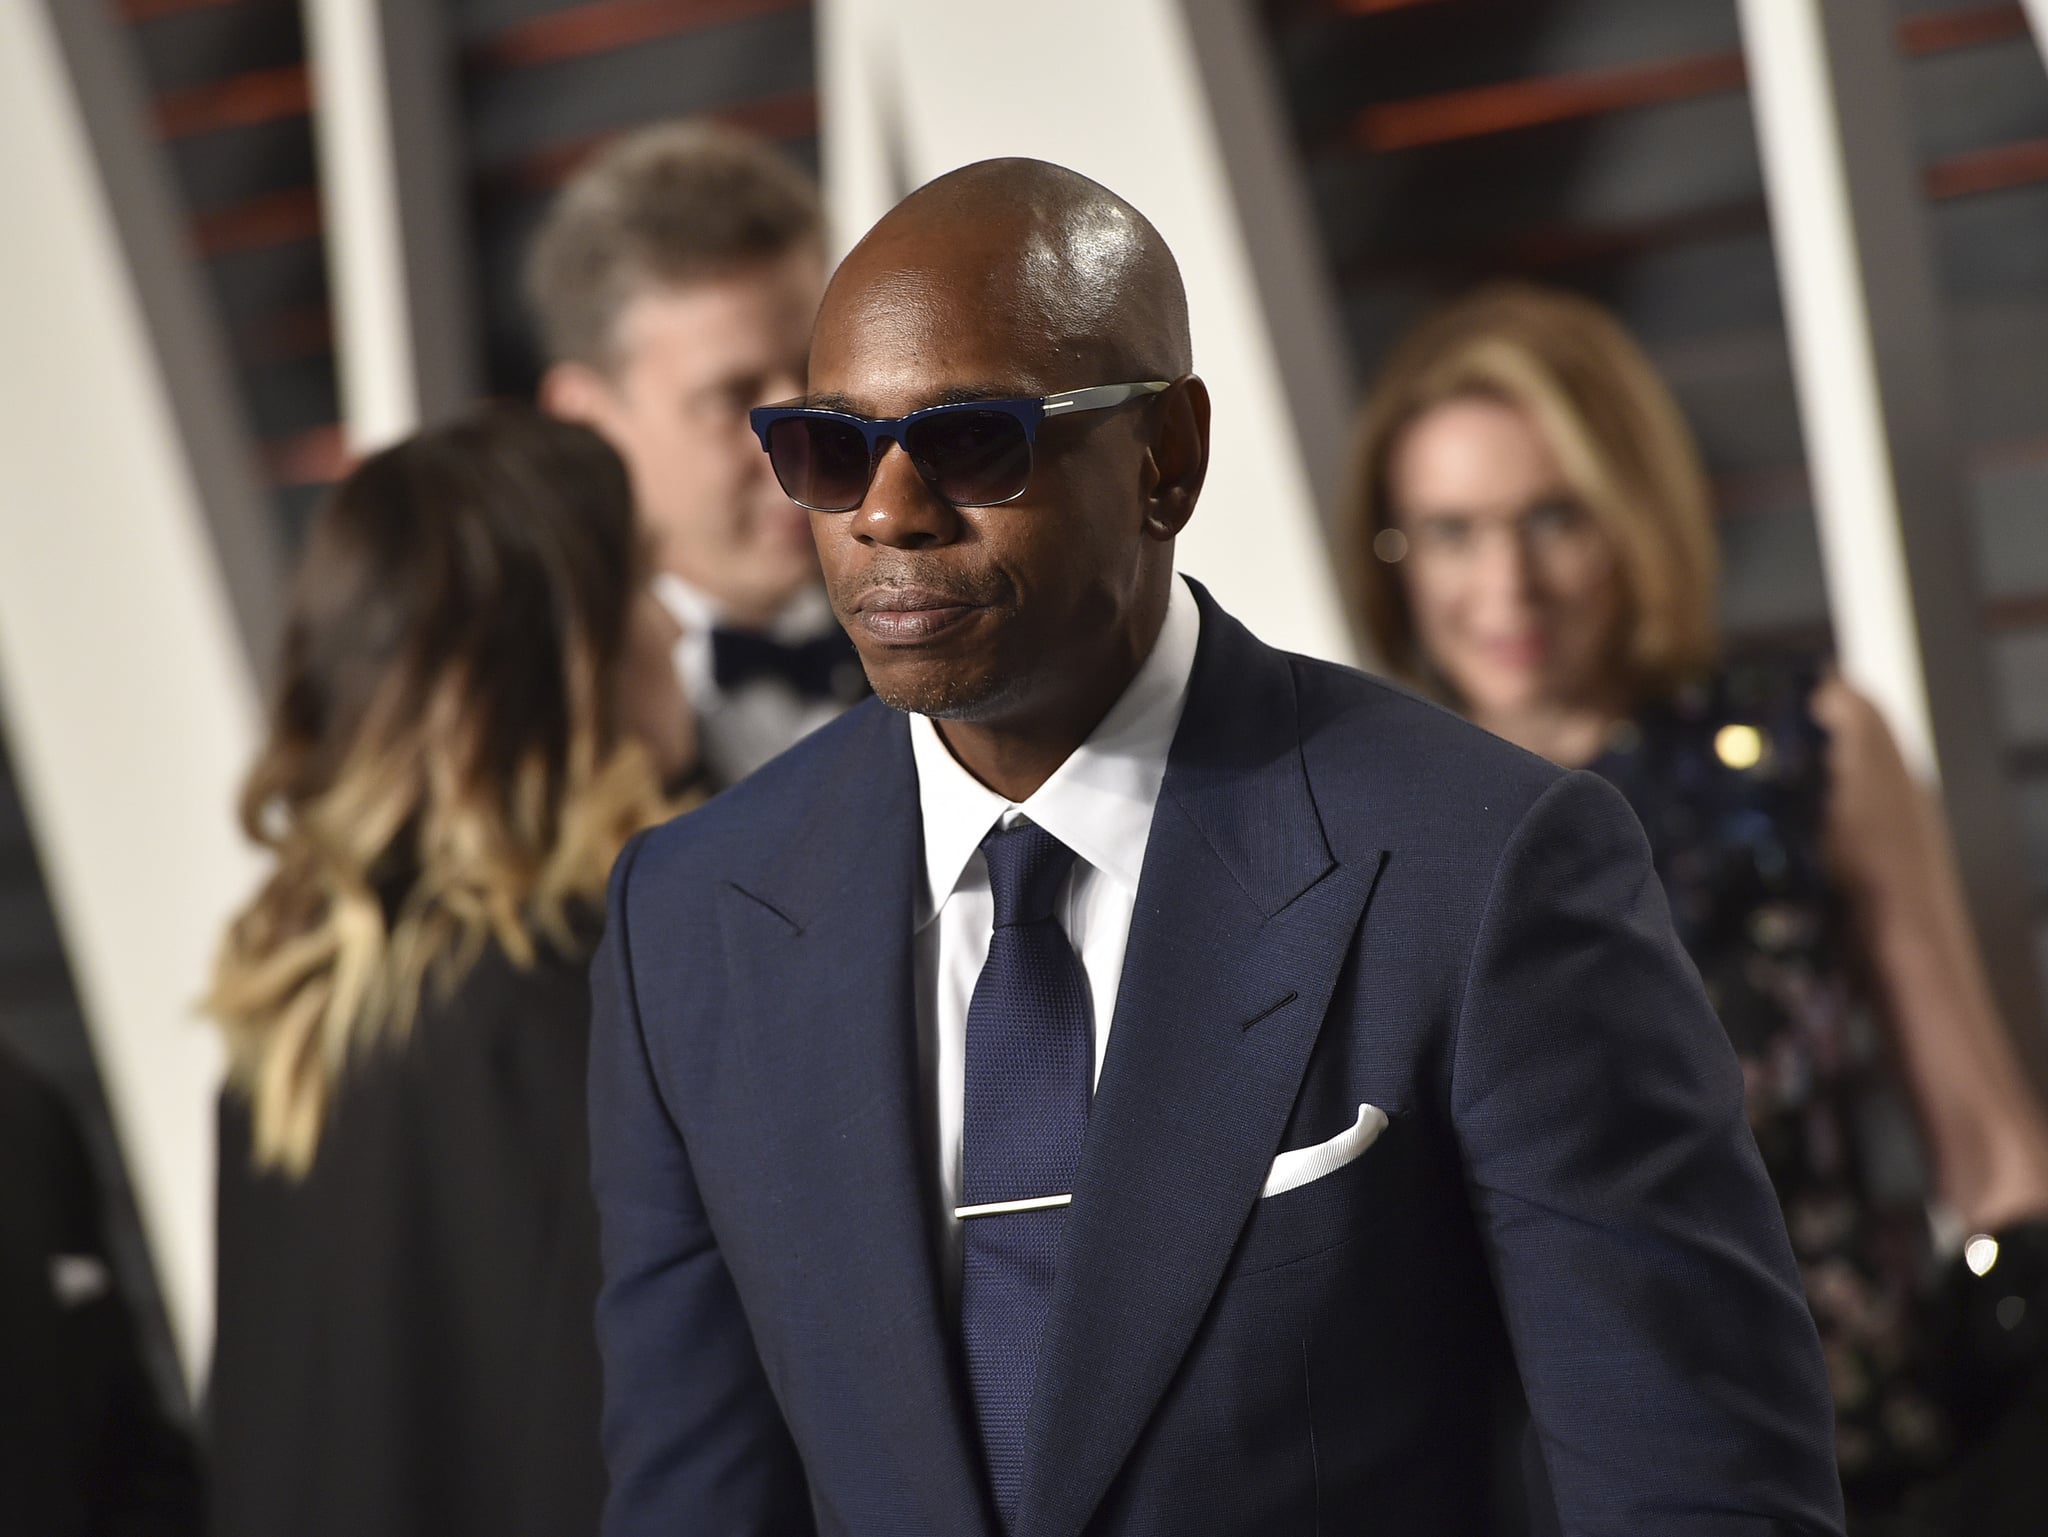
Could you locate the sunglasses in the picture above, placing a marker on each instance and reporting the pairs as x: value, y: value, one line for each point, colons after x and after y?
x: 975, y: 454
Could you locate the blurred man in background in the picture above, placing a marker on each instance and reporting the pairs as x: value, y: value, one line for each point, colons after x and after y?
x: 674, y: 283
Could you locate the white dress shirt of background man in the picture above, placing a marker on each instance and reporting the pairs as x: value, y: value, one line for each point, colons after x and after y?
x: 674, y: 283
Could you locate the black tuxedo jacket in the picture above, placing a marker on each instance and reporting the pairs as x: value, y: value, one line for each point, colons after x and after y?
x: 85, y: 1448
x: 1350, y: 898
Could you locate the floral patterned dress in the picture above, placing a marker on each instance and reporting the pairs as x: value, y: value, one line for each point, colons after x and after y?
x: 1729, y: 780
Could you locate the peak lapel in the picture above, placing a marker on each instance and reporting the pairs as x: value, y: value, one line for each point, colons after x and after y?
x: 1243, y: 923
x: 819, y: 952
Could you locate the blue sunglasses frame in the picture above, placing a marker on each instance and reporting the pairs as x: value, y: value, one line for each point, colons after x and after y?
x: 1028, y: 411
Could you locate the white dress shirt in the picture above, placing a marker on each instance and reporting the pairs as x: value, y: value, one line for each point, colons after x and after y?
x: 740, y: 729
x: 1099, y: 804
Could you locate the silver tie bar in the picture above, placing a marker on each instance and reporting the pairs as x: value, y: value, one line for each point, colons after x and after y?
x: 1004, y: 1208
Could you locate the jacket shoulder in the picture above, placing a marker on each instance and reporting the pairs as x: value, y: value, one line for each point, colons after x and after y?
x: 1383, y: 760
x: 732, y: 832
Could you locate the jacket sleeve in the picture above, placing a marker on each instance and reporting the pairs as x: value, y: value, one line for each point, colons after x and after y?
x: 693, y: 1439
x: 1672, y: 1369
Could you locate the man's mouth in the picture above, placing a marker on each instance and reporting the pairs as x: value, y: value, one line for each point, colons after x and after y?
x: 910, y: 615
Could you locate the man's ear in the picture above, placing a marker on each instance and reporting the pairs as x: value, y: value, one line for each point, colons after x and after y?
x: 576, y: 392
x: 1179, y: 456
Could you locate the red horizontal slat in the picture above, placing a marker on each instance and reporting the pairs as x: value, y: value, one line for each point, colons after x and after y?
x: 317, y: 457
x: 285, y: 336
x: 276, y: 218
x: 600, y: 26
x: 1933, y: 32
x: 1512, y: 104
x: 1946, y: 31
x: 779, y: 119
x: 260, y: 96
x: 1364, y: 7
x: 1989, y: 170
x: 2021, y: 613
x: 157, y: 10
x: 1552, y: 248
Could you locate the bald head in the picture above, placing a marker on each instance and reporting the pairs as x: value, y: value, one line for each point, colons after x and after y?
x: 1018, y: 622
x: 1040, y: 250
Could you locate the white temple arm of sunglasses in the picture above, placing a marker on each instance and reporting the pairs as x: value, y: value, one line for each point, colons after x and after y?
x: 1101, y: 397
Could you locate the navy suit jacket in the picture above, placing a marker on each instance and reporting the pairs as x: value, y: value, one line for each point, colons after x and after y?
x: 1350, y: 896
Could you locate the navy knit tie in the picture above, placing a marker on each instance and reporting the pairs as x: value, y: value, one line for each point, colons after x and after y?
x: 1030, y: 1061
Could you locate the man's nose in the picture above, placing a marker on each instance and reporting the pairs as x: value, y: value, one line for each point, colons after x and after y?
x: 900, y: 510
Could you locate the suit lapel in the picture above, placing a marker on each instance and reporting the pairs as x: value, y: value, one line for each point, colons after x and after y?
x: 1243, y: 922
x: 819, y: 955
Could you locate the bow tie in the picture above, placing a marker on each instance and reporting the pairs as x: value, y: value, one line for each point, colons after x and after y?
x: 823, y: 667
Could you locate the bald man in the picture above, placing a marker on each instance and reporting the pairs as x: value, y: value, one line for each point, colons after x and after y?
x: 1124, y: 1079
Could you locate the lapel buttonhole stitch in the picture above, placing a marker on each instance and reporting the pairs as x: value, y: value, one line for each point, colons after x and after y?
x: 1270, y: 1010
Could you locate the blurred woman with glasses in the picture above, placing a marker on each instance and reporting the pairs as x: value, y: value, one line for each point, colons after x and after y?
x: 1532, y: 543
x: 475, y: 710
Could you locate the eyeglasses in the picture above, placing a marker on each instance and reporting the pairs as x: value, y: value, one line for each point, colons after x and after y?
x: 974, y: 454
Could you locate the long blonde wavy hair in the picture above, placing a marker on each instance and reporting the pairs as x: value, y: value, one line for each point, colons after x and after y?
x: 445, y: 766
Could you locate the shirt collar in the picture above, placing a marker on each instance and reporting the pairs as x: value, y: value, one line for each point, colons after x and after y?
x: 1098, y: 803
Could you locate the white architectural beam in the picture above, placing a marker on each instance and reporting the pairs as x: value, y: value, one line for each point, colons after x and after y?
x: 393, y: 210
x: 1827, y: 315
x: 136, y: 574
x: 2037, y: 13
x: 1870, y: 355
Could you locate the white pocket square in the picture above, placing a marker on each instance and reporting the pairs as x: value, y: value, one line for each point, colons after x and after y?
x: 1306, y: 1164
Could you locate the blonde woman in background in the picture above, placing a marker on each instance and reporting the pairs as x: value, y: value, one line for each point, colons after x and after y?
x: 1533, y: 545
x: 476, y: 711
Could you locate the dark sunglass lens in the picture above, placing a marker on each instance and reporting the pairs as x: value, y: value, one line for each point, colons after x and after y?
x: 972, y: 458
x: 821, y: 464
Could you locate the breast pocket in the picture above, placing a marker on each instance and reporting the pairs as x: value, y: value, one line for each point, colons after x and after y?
x: 1300, y: 1222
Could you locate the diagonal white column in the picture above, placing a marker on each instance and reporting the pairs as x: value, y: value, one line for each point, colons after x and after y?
x: 394, y: 212
x: 2037, y: 13
x: 1865, y: 318
x: 1827, y: 316
x: 137, y: 580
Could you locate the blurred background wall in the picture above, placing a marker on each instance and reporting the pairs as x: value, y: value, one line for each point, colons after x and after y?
x: 252, y: 289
